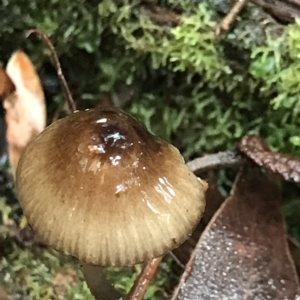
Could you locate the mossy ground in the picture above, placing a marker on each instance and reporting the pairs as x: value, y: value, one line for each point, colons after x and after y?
x: 39, y: 273
x: 196, y: 90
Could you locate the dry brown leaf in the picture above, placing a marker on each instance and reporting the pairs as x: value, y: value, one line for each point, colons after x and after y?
x: 243, y: 252
x: 64, y: 279
x: 286, y: 165
x: 6, y: 85
x: 160, y: 15
x: 25, y: 108
x: 3, y: 295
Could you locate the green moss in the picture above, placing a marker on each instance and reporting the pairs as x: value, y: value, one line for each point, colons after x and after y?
x: 199, y: 91
x: 30, y: 274
x: 39, y: 273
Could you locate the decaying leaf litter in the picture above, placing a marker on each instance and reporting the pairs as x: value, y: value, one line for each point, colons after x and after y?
x: 249, y: 177
x: 24, y: 103
x: 232, y: 261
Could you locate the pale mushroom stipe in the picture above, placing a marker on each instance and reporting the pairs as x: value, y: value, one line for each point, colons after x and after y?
x: 99, y: 186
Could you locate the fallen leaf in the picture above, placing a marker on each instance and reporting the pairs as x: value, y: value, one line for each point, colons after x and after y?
x: 6, y: 85
x: 3, y: 144
x: 243, y: 252
x: 25, y: 108
x: 256, y: 148
x: 63, y: 280
x: 160, y: 15
x: 3, y: 295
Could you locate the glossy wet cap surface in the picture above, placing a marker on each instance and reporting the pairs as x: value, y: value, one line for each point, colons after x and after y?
x: 99, y: 186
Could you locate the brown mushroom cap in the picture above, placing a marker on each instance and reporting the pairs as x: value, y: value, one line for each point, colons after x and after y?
x: 98, y: 185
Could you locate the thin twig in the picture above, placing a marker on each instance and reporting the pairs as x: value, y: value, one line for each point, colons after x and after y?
x: 141, y: 284
x: 231, y: 16
x: 177, y: 261
x: 214, y: 161
x: 70, y: 100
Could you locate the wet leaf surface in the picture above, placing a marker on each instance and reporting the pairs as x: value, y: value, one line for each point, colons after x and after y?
x: 243, y: 252
x: 286, y: 165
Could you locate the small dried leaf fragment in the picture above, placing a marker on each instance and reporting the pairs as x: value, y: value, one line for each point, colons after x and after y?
x: 256, y: 148
x: 3, y: 295
x: 63, y: 280
x: 25, y: 108
x: 160, y: 15
x: 243, y: 252
x: 6, y: 85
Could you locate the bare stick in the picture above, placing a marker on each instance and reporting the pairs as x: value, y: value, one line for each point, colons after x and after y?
x: 215, y: 161
x: 177, y: 261
x: 141, y: 284
x: 231, y: 16
x: 70, y: 100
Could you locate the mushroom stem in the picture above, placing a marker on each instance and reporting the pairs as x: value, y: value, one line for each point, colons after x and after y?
x: 99, y: 286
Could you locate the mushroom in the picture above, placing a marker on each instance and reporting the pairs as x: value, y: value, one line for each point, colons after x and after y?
x: 98, y: 186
